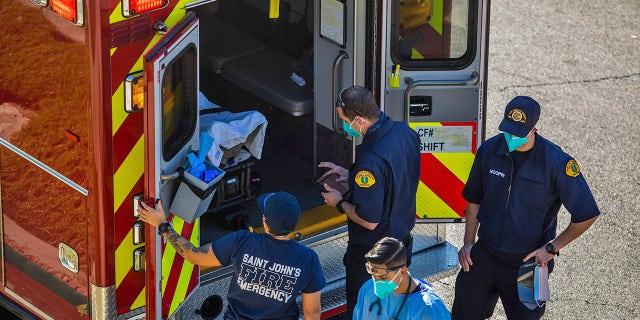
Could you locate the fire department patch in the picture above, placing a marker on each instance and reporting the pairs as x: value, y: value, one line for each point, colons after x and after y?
x: 517, y: 115
x: 572, y: 169
x: 364, y: 179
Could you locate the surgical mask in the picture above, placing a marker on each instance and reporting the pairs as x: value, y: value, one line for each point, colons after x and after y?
x: 383, y: 288
x: 349, y: 129
x: 514, y: 142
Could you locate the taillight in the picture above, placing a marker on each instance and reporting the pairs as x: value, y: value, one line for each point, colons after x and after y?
x: 69, y: 9
x: 134, y: 7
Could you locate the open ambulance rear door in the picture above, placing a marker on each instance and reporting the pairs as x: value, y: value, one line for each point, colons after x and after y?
x: 171, y: 130
x: 434, y: 76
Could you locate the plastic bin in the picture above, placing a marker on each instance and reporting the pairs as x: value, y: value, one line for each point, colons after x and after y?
x: 194, y: 195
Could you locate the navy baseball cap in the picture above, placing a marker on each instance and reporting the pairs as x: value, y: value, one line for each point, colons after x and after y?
x: 280, y: 210
x: 520, y: 116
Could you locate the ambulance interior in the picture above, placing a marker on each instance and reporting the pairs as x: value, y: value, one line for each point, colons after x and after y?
x: 256, y: 66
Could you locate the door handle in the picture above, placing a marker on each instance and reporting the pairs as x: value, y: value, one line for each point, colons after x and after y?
x: 412, y: 84
x: 334, y: 85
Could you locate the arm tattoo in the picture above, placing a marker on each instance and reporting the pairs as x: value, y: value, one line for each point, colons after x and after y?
x: 183, y: 245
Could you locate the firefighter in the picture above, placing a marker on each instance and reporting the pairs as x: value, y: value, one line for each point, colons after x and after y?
x: 270, y: 269
x: 517, y: 183
x: 382, y: 183
x: 392, y: 293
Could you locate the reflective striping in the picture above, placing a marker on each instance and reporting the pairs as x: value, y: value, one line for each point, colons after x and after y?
x: 185, y: 275
x: 139, y: 301
x: 459, y: 163
x: 437, y: 14
x: 427, y: 201
x: 118, y: 115
x: 443, y: 176
x: 124, y: 250
x: 125, y: 178
x: 176, y: 270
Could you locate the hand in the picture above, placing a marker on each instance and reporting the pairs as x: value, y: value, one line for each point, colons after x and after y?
x: 332, y: 196
x: 343, y: 174
x: 464, y: 256
x: 542, y: 256
x: 152, y: 215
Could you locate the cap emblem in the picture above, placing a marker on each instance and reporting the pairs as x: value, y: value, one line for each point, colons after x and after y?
x: 517, y: 115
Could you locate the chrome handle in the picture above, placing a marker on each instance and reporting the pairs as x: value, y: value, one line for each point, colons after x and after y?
x: 334, y: 85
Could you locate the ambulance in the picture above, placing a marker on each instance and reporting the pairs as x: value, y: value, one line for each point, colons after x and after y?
x: 104, y: 104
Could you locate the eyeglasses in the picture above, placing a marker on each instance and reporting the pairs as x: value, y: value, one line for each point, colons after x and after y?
x: 339, y: 101
x: 374, y: 271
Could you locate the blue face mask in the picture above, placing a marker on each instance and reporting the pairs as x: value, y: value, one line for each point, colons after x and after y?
x: 514, y: 142
x: 349, y: 129
x: 383, y: 288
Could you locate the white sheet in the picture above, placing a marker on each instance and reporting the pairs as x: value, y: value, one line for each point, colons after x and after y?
x: 230, y: 130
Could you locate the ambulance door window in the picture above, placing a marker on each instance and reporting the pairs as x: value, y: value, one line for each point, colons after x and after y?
x: 179, y: 109
x: 433, y: 34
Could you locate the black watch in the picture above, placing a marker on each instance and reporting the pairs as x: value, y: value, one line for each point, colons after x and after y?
x: 552, y: 250
x: 163, y: 228
x: 339, y: 205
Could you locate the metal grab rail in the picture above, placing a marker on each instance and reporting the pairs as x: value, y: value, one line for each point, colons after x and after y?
x: 334, y: 85
x: 412, y: 84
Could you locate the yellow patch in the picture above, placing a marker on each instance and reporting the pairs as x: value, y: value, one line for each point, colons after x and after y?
x: 572, y: 169
x: 364, y: 179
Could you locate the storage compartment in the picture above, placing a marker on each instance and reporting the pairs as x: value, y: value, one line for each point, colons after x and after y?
x: 194, y: 195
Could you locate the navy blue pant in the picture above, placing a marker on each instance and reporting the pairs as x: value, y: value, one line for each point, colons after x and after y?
x: 489, y: 278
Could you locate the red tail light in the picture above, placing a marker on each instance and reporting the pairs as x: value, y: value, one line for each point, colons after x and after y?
x: 69, y: 9
x: 134, y: 7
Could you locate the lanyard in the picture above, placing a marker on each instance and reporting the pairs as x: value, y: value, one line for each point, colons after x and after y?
x: 379, y: 304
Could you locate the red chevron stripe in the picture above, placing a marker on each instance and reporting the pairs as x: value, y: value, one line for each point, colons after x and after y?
x: 124, y: 214
x: 195, y: 279
x: 442, y: 182
x: 176, y: 270
x: 126, y: 137
x: 128, y: 290
x: 112, y: 5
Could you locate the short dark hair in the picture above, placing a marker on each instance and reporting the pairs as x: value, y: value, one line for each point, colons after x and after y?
x: 388, y: 251
x: 358, y: 100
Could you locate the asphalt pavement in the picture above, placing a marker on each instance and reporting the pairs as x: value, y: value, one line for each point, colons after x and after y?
x: 581, y: 61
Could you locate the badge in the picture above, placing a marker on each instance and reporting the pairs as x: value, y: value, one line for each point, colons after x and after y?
x: 572, y: 169
x: 364, y: 179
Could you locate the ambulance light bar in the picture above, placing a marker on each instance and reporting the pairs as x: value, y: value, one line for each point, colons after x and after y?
x: 133, y: 7
x: 68, y: 9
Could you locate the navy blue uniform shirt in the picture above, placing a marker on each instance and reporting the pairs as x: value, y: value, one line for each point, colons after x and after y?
x: 518, y: 213
x: 384, y: 180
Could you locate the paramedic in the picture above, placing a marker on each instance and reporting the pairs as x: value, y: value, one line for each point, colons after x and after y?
x: 383, y: 181
x: 392, y: 293
x: 517, y: 183
x: 270, y: 269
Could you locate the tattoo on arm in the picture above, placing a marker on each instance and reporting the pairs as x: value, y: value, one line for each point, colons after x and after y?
x: 182, y: 245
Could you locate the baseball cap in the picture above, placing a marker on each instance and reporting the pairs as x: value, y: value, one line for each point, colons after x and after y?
x: 281, y: 211
x: 520, y: 116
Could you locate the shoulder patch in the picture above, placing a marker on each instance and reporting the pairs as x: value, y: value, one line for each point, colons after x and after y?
x: 572, y: 169
x: 364, y: 179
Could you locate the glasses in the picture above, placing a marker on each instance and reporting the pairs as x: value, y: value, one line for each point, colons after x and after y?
x: 374, y: 271
x: 339, y: 101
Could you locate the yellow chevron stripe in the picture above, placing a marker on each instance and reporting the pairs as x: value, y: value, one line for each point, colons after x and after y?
x: 170, y: 253
x: 429, y: 205
x: 185, y: 274
x: 437, y: 15
x: 128, y: 173
x: 124, y: 252
x: 116, y: 15
x: 118, y: 115
x: 458, y: 162
x: 140, y: 300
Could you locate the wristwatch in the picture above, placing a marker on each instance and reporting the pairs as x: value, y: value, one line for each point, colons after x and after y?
x: 163, y: 228
x: 552, y: 250
x: 339, y: 205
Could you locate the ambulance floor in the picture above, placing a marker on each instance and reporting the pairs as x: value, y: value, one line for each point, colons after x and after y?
x: 278, y: 170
